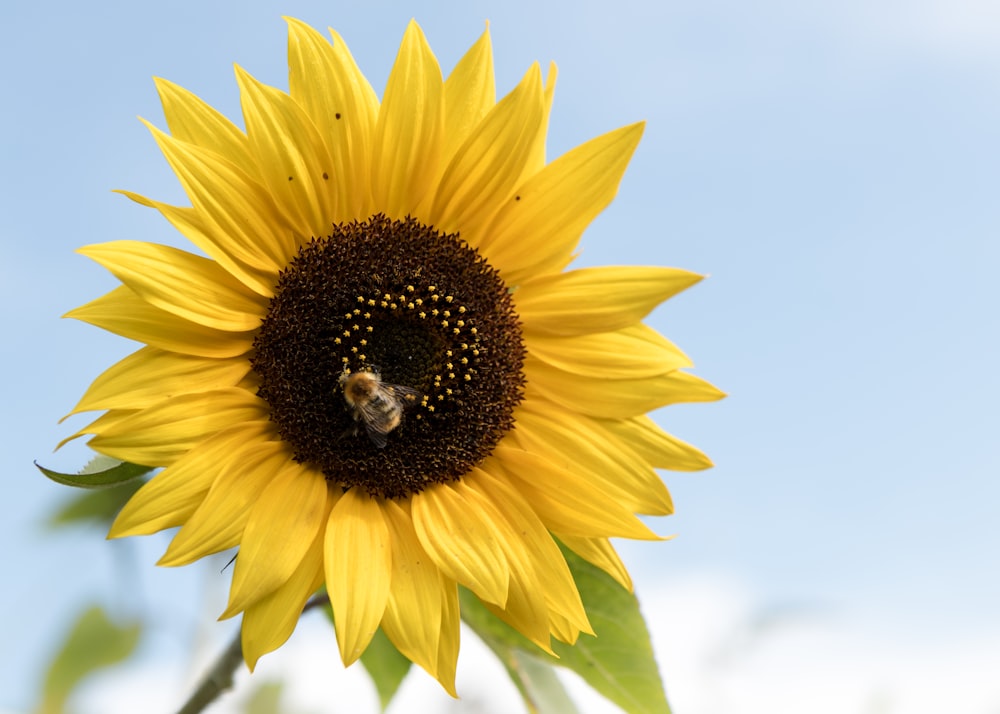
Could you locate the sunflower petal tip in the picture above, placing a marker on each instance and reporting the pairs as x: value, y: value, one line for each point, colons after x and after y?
x: 230, y: 612
x: 173, y: 557
x: 116, y: 531
x: 546, y: 647
x: 349, y: 658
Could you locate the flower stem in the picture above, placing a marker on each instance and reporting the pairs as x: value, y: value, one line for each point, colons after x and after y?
x: 220, y: 677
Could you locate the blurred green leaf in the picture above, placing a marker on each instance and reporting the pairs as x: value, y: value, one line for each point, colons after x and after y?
x: 94, y: 507
x: 266, y: 699
x: 538, y: 679
x: 618, y: 663
x: 101, y: 472
x: 386, y: 665
x: 94, y: 643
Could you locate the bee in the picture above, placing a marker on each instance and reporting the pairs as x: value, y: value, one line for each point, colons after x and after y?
x: 376, y: 404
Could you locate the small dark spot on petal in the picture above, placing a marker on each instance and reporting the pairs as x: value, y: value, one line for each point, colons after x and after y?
x: 326, y: 176
x: 517, y: 198
x: 289, y: 178
x: 337, y: 115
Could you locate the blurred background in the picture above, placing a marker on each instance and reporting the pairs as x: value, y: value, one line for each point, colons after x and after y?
x: 833, y: 166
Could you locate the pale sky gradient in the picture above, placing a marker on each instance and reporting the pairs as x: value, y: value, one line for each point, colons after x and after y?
x: 833, y: 166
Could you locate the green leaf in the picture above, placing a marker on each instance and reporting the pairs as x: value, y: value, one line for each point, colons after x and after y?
x: 101, y: 472
x: 266, y: 699
x: 93, y: 643
x: 618, y: 662
x: 94, y: 507
x: 386, y: 666
x: 538, y: 678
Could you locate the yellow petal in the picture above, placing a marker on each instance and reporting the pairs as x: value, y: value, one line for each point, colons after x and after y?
x: 124, y: 313
x: 192, y: 120
x: 581, y: 302
x: 599, y: 552
x: 172, y: 496
x: 536, y: 154
x: 469, y: 93
x: 633, y: 352
x: 490, y: 163
x: 352, y: 74
x: 659, y: 448
x: 269, y: 622
x: 415, y: 614
x: 525, y: 612
x: 190, y: 224
x: 526, y: 609
x: 185, y: 285
x: 218, y: 523
x: 565, y: 502
x: 327, y: 84
x: 562, y: 629
x: 295, y: 164
x: 162, y: 433
x: 458, y: 534
x: 615, y: 398
x: 557, y: 204
x: 150, y: 375
x: 551, y: 575
x: 108, y: 420
x: 358, y: 557
x: 447, y: 656
x: 579, y: 445
x: 408, y: 135
x: 282, y: 524
x: 236, y: 211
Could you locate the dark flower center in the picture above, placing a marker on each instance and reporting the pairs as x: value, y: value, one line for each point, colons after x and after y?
x: 390, y: 356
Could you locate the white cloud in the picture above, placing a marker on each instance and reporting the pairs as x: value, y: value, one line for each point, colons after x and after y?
x: 962, y: 29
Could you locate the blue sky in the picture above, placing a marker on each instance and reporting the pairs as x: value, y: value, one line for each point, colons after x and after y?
x: 832, y: 166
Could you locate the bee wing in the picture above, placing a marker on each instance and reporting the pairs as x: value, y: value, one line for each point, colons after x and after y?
x: 369, y: 412
x: 406, y: 396
x: 377, y: 437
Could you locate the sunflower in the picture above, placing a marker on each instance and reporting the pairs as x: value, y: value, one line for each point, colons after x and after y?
x: 379, y: 377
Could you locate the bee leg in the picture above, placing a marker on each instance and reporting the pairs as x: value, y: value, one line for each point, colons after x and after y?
x: 349, y: 431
